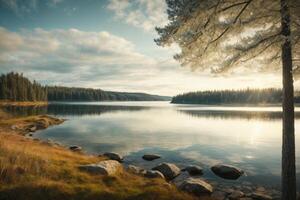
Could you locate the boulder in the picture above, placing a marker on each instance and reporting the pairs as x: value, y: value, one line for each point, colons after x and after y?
x: 260, y: 196
x: 135, y: 170
x: 178, y: 180
x: 150, y: 157
x: 153, y: 174
x: 236, y: 195
x: 196, y: 186
x: 113, y: 156
x: 169, y: 170
x: 75, y: 148
x: 107, y: 167
x: 227, y: 171
x: 193, y: 170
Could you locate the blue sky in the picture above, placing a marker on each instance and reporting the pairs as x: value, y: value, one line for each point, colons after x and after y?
x: 105, y: 44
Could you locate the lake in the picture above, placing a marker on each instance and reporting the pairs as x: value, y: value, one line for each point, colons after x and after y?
x: 247, y: 137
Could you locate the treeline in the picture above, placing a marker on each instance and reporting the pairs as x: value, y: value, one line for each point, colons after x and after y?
x: 58, y: 93
x: 246, y: 96
x: 15, y: 87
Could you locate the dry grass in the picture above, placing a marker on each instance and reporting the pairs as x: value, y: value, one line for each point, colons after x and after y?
x: 33, y: 170
x: 23, y: 103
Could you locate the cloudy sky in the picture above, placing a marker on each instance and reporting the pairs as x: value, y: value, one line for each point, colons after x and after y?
x: 105, y: 44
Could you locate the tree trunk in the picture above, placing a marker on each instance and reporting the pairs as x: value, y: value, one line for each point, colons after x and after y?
x: 288, y: 182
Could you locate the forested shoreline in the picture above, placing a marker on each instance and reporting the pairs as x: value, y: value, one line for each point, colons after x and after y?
x: 58, y: 93
x: 15, y: 87
x: 244, y: 96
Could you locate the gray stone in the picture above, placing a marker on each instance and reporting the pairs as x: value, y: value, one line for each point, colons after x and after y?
x: 107, y: 167
x: 178, y: 180
x: 169, y: 170
x: 260, y: 189
x: 196, y: 186
x: 113, y: 156
x: 236, y: 195
x: 227, y: 171
x: 193, y: 170
x: 150, y: 157
x: 153, y: 174
x: 261, y: 196
x: 75, y: 148
x: 135, y: 170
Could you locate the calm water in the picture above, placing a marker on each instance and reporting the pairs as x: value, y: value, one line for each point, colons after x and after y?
x: 247, y: 137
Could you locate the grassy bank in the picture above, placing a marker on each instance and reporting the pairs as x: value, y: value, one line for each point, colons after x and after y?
x: 23, y: 103
x: 32, y: 170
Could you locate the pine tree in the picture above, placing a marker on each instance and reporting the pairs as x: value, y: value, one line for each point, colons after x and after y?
x: 220, y: 35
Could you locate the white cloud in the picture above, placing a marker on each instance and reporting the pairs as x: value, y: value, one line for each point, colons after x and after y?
x: 69, y: 51
x: 140, y: 13
x: 102, y: 60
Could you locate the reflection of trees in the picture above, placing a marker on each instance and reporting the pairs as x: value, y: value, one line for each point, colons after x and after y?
x: 69, y: 109
x: 227, y: 114
x: 25, y: 110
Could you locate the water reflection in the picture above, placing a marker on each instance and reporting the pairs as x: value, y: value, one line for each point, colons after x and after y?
x: 95, y: 108
x: 250, y: 139
x: 68, y: 109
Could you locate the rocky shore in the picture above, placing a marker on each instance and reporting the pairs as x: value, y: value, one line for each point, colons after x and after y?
x: 188, y: 179
x: 33, y: 124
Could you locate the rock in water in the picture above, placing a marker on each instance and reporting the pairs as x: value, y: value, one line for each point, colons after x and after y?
x: 227, y: 171
x: 193, y: 170
x: 169, y: 170
x: 196, y: 186
x: 75, y: 148
x: 107, y: 167
x: 113, y: 156
x: 153, y: 174
x: 151, y: 157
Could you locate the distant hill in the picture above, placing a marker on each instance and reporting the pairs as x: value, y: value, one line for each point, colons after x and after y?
x: 57, y: 93
x: 247, y: 96
x: 16, y: 87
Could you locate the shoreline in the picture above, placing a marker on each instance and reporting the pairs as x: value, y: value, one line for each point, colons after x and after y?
x: 25, y: 128
x: 38, y: 169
